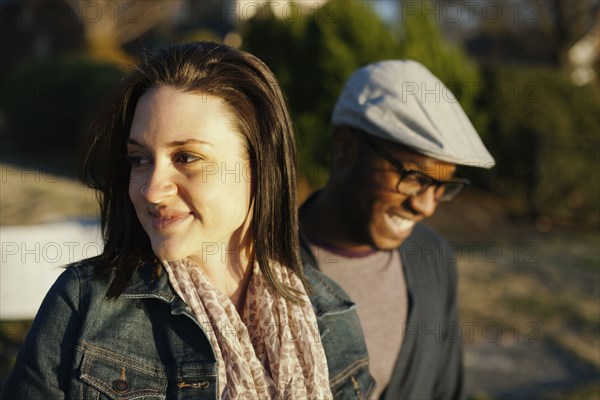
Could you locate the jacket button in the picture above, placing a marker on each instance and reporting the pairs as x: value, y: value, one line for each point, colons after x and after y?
x: 120, y: 386
x: 204, y: 384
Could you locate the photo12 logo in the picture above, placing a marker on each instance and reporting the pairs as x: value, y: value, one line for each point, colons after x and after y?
x: 471, y: 332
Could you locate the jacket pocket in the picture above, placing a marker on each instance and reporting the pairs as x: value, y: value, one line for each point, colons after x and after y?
x: 108, y: 375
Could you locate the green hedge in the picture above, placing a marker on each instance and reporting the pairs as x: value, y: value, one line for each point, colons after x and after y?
x: 48, y: 103
x: 545, y: 135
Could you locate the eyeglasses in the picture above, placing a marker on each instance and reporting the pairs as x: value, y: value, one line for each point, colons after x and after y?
x: 413, y: 183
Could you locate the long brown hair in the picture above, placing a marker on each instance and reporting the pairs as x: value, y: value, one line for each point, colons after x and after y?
x: 253, y: 95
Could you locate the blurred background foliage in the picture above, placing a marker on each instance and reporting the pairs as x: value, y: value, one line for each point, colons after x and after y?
x: 545, y: 135
x: 542, y: 129
x: 69, y: 88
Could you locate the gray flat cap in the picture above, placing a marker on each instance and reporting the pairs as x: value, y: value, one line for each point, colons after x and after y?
x: 401, y: 101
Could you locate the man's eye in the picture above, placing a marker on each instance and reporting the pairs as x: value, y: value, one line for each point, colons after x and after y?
x: 186, y: 158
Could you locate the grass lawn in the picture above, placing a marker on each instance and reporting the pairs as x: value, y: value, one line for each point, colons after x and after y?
x: 33, y: 197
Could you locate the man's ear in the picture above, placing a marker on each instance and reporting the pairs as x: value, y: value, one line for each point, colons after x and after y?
x: 344, y: 146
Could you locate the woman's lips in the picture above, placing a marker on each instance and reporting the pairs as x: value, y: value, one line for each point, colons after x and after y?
x: 165, y: 220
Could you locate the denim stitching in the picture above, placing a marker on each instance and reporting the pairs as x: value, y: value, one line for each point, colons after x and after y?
x: 329, y: 288
x: 168, y: 297
x: 138, y: 365
x: 349, y: 371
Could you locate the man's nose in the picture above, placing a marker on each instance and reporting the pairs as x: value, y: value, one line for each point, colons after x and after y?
x: 425, y: 203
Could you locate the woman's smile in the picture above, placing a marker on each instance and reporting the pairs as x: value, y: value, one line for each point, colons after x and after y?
x: 166, y: 220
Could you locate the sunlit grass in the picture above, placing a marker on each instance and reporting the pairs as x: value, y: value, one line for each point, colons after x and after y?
x: 30, y: 197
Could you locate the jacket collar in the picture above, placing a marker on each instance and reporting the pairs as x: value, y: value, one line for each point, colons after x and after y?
x: 324, y: 294
x: 147, y: 283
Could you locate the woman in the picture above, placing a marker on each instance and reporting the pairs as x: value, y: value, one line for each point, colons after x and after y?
x: 199, y: 291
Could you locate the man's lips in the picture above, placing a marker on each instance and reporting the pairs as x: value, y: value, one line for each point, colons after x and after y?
x: 400, y: 214
x: 398, y: 223
x: 166, y: 219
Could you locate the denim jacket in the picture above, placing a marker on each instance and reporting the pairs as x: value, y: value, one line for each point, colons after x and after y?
x: 147, y: 344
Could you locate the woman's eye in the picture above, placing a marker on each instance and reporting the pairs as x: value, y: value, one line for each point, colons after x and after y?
x: 136, y: 160
x: 186, y: 158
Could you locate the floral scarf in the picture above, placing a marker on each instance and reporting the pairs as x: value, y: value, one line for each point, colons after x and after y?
x: 273, y: 352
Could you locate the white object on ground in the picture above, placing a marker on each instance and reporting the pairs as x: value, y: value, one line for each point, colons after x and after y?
x: 32, y: 257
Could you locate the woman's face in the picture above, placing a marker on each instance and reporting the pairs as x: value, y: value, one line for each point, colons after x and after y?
x: 190, y: 176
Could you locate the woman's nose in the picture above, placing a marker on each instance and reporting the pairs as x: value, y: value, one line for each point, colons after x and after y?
x: 160, y: 186
x: 425, y: 203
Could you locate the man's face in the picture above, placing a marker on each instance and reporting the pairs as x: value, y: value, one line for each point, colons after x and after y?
x: 384, y: 216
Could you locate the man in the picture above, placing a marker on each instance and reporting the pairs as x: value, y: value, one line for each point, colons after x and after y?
x: 398, y: 134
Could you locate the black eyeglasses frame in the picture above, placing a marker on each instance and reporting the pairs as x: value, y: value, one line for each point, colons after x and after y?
x: 404, y: 173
